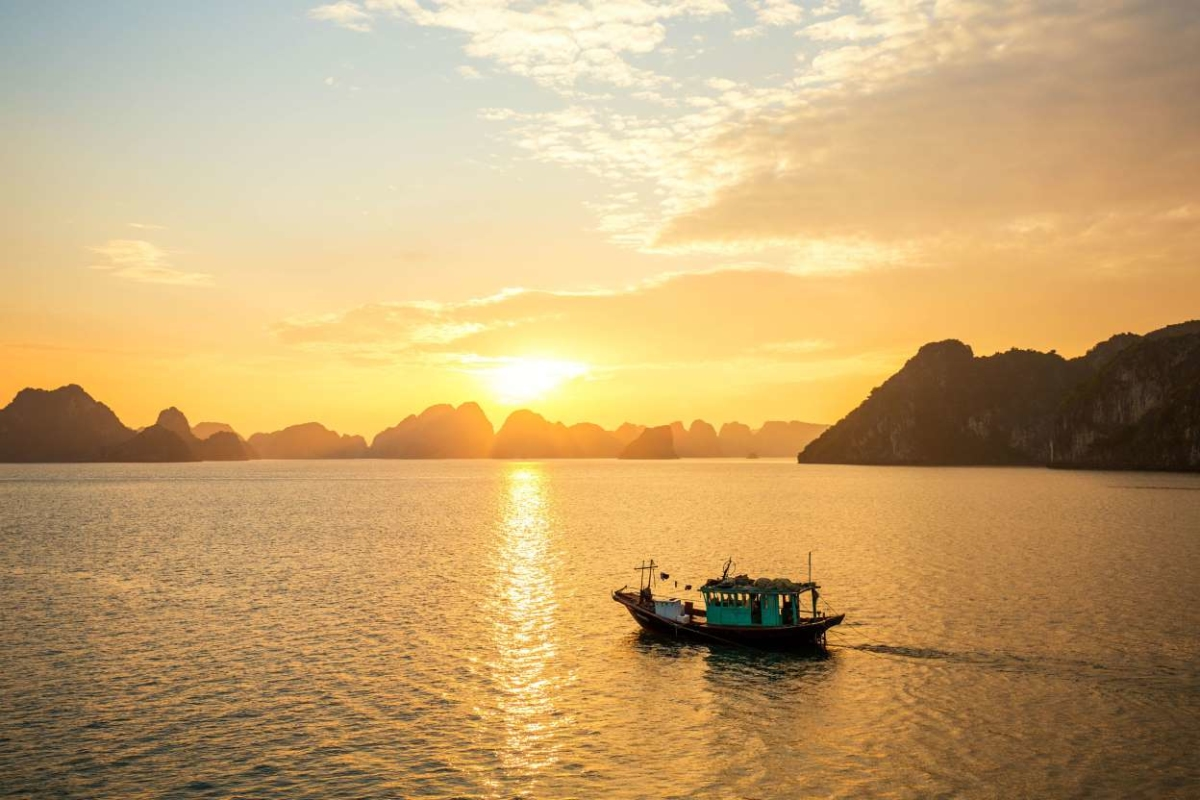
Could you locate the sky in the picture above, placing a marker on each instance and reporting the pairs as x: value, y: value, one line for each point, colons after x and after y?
x: 276, y: 212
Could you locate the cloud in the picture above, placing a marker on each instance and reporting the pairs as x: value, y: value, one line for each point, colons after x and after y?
x: 146, y: 226
x: 758, y: 315
x: 143, y: 262
x: 414, y: 324
x: 1083, y: 113
x: 554, y: 43
x: 916, y: 133
x: 468, y: 72
x: 344, y: 14
x: 662, y: 321
x: 778, y: 12
x: 600, y: 326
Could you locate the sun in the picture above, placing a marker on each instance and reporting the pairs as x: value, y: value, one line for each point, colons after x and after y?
x: 519, y: 380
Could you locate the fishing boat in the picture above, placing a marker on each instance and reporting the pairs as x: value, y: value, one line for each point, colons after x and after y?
x: 766, y: 613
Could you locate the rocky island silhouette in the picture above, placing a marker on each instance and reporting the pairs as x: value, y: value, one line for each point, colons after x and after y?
x: 69, y: 425
x: 1131, y: 402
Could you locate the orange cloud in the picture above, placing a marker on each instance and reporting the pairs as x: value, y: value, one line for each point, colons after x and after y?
x: 1088, y: 115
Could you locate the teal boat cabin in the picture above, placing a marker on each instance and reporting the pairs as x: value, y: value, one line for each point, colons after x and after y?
x: 750, y: 604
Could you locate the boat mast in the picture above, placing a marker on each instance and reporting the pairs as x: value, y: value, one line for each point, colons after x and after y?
x: 649, y: 577
x: 812, y: 589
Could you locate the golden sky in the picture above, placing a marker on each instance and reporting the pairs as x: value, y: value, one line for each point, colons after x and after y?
x: 632, y: 210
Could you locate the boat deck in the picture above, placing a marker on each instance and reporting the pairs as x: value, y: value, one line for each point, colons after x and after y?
x: 808, y: 632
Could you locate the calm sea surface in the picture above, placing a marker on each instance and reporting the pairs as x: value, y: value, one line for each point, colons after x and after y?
x: 444, y: 629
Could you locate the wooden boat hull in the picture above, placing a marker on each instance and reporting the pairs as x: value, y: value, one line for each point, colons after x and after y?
x: 809, y: 633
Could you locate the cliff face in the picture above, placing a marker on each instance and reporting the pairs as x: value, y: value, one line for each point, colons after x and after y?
x: 947, y: 407
x: 1129, y: 403
x: 440, y: 431
x: 1140, y: 411
x: 65, y: 424
x: 310, y: 440
x: 652, y: 443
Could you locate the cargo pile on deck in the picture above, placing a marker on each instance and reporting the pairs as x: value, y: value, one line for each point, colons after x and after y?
x: 746, y: 582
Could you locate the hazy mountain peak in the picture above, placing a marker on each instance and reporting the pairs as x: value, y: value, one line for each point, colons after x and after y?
x: 653, y: 443
x: 203, y: 430
x: 440, y: 431
x: 174, y: 420
x: 307, y: 440
x: 63, y: 424
x: 436, y: 410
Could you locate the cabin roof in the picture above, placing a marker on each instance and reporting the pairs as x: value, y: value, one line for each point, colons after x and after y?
x: 774, y: 586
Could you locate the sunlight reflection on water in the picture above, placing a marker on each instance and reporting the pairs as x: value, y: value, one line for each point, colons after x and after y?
x: 523, y: 610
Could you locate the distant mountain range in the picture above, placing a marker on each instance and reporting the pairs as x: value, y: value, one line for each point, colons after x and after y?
x: 67, y: 424
x: 1132, y: 402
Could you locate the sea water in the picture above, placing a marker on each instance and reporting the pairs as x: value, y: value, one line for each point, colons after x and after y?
x: 445, y: 629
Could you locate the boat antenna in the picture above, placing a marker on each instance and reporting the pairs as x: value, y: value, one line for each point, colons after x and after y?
x: 725, y: 572
x: 810, y: 552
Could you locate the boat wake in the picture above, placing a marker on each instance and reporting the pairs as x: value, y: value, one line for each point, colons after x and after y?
x: 1064, y: 668
x: 907, y: 652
